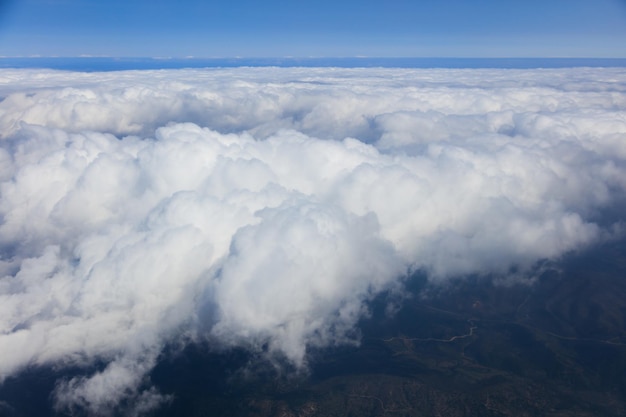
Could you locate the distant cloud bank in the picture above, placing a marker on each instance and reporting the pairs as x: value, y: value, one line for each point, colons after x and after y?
x: 263, y: 207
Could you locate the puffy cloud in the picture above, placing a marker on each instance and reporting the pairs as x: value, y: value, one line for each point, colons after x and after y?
x: 264, y: 207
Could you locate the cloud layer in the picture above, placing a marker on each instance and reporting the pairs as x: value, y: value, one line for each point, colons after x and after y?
x: 263, y: 207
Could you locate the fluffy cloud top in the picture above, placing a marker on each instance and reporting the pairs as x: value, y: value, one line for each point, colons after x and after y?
x: 264, y: 207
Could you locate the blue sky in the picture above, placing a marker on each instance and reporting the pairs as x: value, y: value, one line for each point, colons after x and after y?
x: 328, y: 28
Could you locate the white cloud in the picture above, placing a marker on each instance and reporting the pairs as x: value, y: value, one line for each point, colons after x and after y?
x: 264, y: 207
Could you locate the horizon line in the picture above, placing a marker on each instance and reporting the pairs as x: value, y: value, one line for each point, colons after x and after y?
x: 83, y: 56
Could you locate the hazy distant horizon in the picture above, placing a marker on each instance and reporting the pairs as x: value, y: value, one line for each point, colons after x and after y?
x: 106, y: 63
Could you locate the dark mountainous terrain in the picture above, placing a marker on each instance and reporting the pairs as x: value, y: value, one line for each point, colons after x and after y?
x: 478, y: 346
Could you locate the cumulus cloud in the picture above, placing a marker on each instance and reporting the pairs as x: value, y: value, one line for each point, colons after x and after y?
x: 264, y: 207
